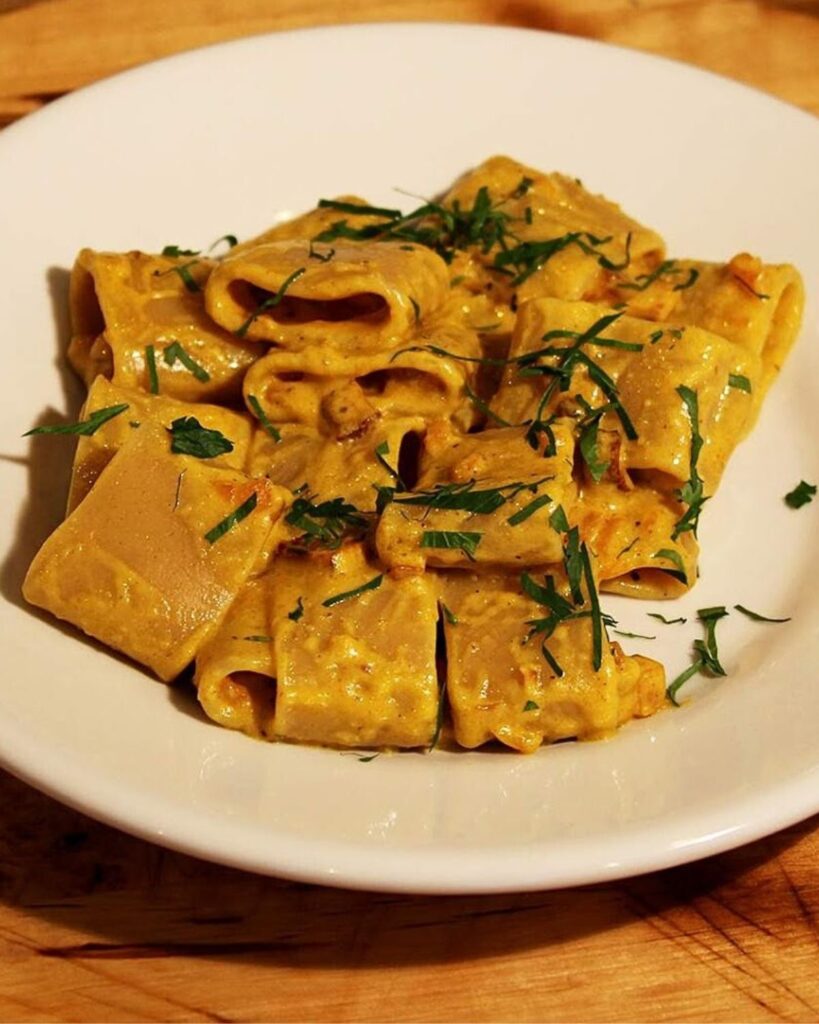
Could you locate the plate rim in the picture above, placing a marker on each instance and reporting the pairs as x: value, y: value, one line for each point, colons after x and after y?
x: 797, y: 798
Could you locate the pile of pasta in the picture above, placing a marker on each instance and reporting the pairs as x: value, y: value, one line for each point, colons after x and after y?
x: 369, y: 465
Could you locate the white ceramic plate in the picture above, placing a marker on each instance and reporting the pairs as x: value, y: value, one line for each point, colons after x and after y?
x: 226, y: 139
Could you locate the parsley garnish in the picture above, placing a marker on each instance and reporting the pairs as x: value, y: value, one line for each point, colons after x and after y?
x: 530, y: 705
x: 258, y: 639
x: 522, y: 187
x: 529, y: 510
x: 707, y: 654
x: 297, y: 612
x: 558, y: 520
x: 676, y: 559
x: 481, y: 406
x: 269, y: 302
x: 314, y: 254
x: 189, y: 437
x: 691, y: 494
x: 231, y: 240
x: 262, y: 416
x: 326, y: 523
x: 666, y: 268
x: 347, y: 595
x: 448, y: 614
x: 235, y: 517
x: 568, y: 359
x: 464, y: 497
x: 528, y: 257
x: 439, y: 227
x: 756, y: 616
x: 587, y: 439
x: 174, y: 352
x: 802, y: 494
x: 578, y: 570
x: 739, y: 381
x: 182, y: 270
x: 633, y: 636
x: 453, y: 539
x: 175, y: 251
x: 85, y: 428
x: 153, y: 376
x: 663, y: 619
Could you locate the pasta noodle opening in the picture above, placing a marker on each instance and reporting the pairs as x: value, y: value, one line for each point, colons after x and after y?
x: 362, y: 307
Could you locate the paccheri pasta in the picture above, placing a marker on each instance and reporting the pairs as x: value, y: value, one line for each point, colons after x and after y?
x: 371, y: 465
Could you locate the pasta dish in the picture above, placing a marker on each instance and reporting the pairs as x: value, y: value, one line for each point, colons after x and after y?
x: 371, y: 472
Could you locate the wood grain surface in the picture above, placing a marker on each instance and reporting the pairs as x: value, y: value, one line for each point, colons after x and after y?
x: 95, y: 925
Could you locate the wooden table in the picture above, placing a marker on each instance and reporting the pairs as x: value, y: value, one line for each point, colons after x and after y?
x: 95, y: 925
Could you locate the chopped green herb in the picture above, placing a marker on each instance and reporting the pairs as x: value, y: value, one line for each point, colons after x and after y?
x: 756, y: 616
x: 627, y: 548
x: 231, y: 240
x: 530, y: 705
x: 578, y: 569
x: 740, y: 382
x: 802, y: 494
x: 642, y: 281
x: 153, y: 376
x: 693, y: 274
x: 175, y: 251
x: 259, y: 639
x: 481, y: 406
x: 183, y: 271
x: 85, y: 428
x: 262, y: 417
x: 359, y: 208
x: 368, y: 757
x: 522, y: 187
x: 175, y: 352
x: 706, y: 652
x: 452, y: 539
x: 573, y: 563
x: 691, y: 494
x: 558, y: 520
x: 587, y: 443
x: 464, y: 497
x: 327, y: 523
x: 297, y: 612
x: 633, y: 636
x: 189, y: 437
x: 670, y: 555
x: 235, y: 517
x: 596, y: 615
x: 314, y: 254
x: 655, y: 336
x: 662, y: 618
x: 348, y: 595
x: 270, y: 302
x: 449, y: 615
x: 529, y: 257
x: 459, y: 279
x: 529, y: 510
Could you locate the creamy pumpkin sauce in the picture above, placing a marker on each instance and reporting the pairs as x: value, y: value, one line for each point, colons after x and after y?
x: 369, y: 472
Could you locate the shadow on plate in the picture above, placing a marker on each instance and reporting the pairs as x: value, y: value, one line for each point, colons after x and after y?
x: 49, y: 459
